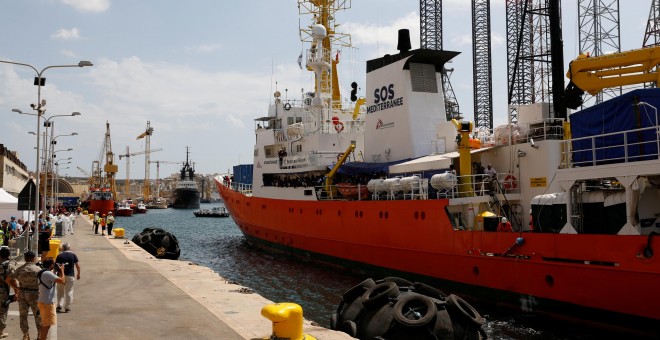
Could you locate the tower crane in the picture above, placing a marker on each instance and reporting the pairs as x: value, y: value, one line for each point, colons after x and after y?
x: 146, y: 189
x: 128, y: 164
x: 158, y: 173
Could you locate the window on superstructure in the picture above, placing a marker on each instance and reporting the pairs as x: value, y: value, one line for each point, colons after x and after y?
x: 298, y: 148
x: 293, y: 120
x: 423, y: 78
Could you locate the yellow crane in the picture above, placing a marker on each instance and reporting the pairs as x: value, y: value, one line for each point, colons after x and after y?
x: 593, y: 74
x: 110, y: 168
x: 146, y: 189
x: 127, y: 155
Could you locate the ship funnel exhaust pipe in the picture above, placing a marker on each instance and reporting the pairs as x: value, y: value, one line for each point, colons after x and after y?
x: 403, y: 44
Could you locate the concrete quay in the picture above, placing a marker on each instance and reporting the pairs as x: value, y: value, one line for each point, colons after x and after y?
x: 125, y: 293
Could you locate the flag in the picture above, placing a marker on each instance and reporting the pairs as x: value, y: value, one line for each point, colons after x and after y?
x: 300, y: 60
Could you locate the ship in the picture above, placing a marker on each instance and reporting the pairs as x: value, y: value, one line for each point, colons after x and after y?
x: 582, y: 197
x: 186, y: 195
x: 102, y: 194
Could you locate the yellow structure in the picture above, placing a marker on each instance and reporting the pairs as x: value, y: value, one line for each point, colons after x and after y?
x: 287, y: 319
x: 593, y: 74
x: 54, y: 248
x: 119, y: 232
x: 465, y: 170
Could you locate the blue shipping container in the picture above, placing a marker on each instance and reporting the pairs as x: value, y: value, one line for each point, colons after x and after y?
x: 243, y: 174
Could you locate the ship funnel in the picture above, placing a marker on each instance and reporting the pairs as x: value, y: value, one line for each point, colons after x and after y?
x: 403, y: 45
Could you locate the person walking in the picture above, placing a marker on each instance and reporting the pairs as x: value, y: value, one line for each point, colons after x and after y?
x: 44, y: 238
x: 65, y: 292
x: 4, y: 290
x: 97, y: 221
x: 46, y: 302
x: 25, y: 283
x: 72, y: 220
x: 110, y: 220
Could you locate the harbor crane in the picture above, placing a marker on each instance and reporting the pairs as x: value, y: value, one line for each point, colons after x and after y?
x: 158, y: 173
x: 127, y: 155
x: 146, y: 189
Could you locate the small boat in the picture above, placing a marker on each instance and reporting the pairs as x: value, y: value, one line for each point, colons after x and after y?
x: 215, y: 212
x: 124, y: 209
x: 140, y: 208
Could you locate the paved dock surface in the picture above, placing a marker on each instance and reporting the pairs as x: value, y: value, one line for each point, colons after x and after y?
x: 125, y: 293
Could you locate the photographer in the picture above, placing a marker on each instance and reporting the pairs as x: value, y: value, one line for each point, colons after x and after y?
x: 65, y: 292
x: 46, y: 301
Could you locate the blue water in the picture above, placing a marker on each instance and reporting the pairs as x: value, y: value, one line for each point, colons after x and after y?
x: 218, y: 244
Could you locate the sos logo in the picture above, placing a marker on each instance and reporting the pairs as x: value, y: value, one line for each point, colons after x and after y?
x: 384, y: 93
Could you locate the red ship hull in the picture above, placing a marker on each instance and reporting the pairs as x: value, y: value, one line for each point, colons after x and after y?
x: 546, y: 273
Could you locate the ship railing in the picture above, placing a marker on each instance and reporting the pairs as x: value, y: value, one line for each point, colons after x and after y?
x: 243, y: 188
x: 343, y: 127
x: 616, y: 147
x: 481, y: 185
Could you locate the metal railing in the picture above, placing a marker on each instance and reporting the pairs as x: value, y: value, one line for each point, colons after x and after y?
x: 481, y: 185
x: 615, y: 147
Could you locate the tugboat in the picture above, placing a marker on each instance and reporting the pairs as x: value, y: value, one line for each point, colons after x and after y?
x: 186, y: 195
x: 124, y: 209
x: 583, y: 197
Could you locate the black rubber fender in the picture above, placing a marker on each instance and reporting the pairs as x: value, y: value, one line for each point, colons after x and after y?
x: 414, y: 310
x: 349, y: 327
x: 460, y: 308
x: 375, y: 322
x: 333, y: 321
x: 358, y: 290
x: 380, y: 294
x: 425, y: 289
x: 403, y: 283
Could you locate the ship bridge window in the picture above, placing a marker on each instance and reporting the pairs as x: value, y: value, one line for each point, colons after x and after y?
x: 423, y: 78
x: 293, y: 120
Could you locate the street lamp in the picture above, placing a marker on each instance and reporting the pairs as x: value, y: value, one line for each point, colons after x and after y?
x: 47, y: 123
x: 39, y: 107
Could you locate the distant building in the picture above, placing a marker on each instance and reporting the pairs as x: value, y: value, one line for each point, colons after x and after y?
x: 13, y: 173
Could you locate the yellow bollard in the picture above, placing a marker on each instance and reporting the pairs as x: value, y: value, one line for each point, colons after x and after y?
x: 119, y: 232
x: 287, y: 319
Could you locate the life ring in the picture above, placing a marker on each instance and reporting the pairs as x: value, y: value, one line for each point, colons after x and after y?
x: 287, y: 106
x: 339, y: 127
x: 510, y: 182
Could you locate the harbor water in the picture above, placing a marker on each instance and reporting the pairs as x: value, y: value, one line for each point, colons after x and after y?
x: 218, y: 244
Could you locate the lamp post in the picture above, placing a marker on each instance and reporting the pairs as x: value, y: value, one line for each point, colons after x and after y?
x: 45, y: 150
x: 39, y: 107
x: 51, y: 158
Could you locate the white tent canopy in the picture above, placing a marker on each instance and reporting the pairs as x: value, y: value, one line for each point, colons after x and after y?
x: 9, y: 206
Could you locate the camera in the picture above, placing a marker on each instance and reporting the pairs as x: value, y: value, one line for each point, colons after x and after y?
x: 56, y: 268
x: 9, y: 300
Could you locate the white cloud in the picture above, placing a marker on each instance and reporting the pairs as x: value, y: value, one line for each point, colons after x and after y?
x: 69, y: 53
x: 203, y: 48
x: 462, y: 40
x: 88, y: 5
x: 64, y: 34
x: 384, y: 37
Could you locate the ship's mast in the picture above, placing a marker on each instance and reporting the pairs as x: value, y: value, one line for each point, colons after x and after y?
x: 110, y: 167
x: 319, y: 57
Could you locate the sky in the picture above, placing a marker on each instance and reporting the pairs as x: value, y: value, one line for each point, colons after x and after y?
x: 201, y: 71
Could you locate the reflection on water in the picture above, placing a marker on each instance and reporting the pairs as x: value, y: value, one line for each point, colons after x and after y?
x: 218, y: 244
